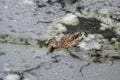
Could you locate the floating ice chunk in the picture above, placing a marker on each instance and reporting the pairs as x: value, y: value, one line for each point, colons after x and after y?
x: 12, y: 77
x: 28, y: 2
x: 59, y: 28
x: 90, y: 45
x: 83, y: 45
x: 70, y: 19
x: 91, y: 36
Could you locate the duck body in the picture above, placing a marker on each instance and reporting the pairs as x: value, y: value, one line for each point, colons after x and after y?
x: 67, y: 41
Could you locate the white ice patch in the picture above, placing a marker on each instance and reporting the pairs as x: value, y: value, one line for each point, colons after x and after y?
x: 28, y: 2
x: 12, y: 77
x: 59, y: 28
x: 90, y: 45
x: 70, y: 19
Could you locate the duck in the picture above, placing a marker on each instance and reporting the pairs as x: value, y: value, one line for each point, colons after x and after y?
x: 67, y: 41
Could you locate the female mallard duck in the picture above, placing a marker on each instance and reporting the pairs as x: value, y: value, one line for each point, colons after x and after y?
x: 67, y: 41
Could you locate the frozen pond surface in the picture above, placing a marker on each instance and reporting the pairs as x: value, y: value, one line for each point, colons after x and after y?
x: 25, y: 25
x: 33, y: 63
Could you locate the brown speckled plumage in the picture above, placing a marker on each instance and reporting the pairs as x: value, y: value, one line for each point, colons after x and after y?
x: 67, y: 41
